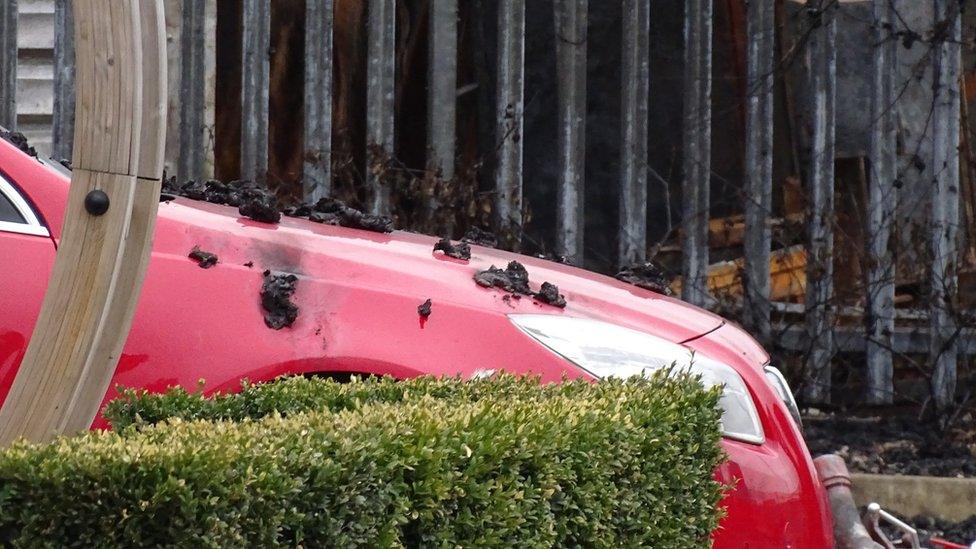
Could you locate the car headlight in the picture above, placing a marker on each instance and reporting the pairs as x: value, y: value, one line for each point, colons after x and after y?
x: 782, y: 388
x: 608, y: 350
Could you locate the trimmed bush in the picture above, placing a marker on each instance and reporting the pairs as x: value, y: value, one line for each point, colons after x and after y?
x: 496, y: 463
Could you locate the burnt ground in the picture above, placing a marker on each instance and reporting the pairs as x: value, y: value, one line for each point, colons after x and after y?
x: 897, y: 444
x: 958, y: 532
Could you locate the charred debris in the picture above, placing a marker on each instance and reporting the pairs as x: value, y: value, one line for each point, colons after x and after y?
x: 514, y: 279
x: 276, y: 292
x: 204, y: 259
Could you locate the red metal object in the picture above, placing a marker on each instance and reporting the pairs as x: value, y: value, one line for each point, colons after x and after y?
x: 358, y: 294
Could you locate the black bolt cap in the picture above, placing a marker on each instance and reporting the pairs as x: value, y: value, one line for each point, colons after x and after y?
x: 96, y: 202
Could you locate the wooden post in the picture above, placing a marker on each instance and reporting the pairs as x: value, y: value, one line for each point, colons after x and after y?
x: 510, y: 105
x: 257, y: 76
x: 571, y: 17
x: 63, y: 131
x: 760, y: 56
x: 697, y: 150
x: 317, y: 166
x: 636, y: 75
x: 944, y: 218
x: 820, y: 271
x: 880, y: 296
x: 442, y: 87
x: 102, y: 256
x: 8, y: 64
x: 380, y: 78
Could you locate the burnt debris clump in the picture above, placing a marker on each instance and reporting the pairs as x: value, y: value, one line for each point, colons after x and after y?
x: 276, y: 292
x: 250, y: 200
x: 480, y: 237
x: 461, y: 250
x: 549, y: 293
x: 259, y: 205
x: 424, y: 308
x: 515, y: 279
x: 646, y: 275
x: 18, y: 140
x: 204, y: 259
x: 335, y: 212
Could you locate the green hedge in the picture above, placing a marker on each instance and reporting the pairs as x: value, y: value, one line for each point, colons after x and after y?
x: 495, y: 463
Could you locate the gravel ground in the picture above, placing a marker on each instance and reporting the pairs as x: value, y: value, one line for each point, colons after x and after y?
x: 959, y: 532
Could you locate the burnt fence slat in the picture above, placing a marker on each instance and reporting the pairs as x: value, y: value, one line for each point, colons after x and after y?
x: 880, y: 296
x: 8, y: 64
x: 635, y: 72
x: 442, y: 87
x: 317, y: 161
x: 380, y: 75
x: 760, y: 55
x: 944, y: 215
x: 508, y: 119
x: 190, y: 162
x: 820, y: 245
x: 63, y: 123
x: 697, y: 150
x: 570, y: 21
x: 255, y: 90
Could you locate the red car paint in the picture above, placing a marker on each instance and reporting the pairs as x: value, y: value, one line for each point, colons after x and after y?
x: 358, y: 294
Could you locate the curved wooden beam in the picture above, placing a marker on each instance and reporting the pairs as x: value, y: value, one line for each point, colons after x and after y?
x: 102, y: 258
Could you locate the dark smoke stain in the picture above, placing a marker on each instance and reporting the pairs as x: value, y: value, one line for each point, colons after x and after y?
x: 646, y: 275
x: 204, y: 259
x: 461, y: 250
x: 276, y: 293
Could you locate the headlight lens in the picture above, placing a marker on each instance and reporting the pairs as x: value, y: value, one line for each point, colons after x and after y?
x: 782, y: 388
x: 608, y: 350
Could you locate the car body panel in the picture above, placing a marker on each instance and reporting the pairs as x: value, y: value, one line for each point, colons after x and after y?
x: 358, y: 294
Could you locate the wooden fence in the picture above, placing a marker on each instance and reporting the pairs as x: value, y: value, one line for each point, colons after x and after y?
x: 942, y: 341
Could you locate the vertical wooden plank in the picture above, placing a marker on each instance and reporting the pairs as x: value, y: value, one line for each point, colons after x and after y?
x: 508, y: 119
x: 697, y: 150
x: 760, y: 56
x: 944, y: 215
x: 880, y: 289
x: 317, y: 166
x: 63, y: 127
x: 442, y: 87
x: 570, y: 20
x: 823, y: 75
x: 635, y: 75
x: 8, y: 64
x: 192, y: 91
x: 256, y: 75
x: 380, y: 75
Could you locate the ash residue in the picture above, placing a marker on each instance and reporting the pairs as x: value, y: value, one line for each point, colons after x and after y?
x: 478, y: 236
x: 18, y: 140
x: 424, y: 308
x: 461, y: 250
x: 646, y: 275
x: 204, y: 259
x: 276, y: 295
x: 549, y: 293
x: 514, y: 278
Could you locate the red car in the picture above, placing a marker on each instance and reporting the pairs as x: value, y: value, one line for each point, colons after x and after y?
x: 358, y: 294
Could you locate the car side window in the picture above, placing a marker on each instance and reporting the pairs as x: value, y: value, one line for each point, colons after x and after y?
x: 8, y: 212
